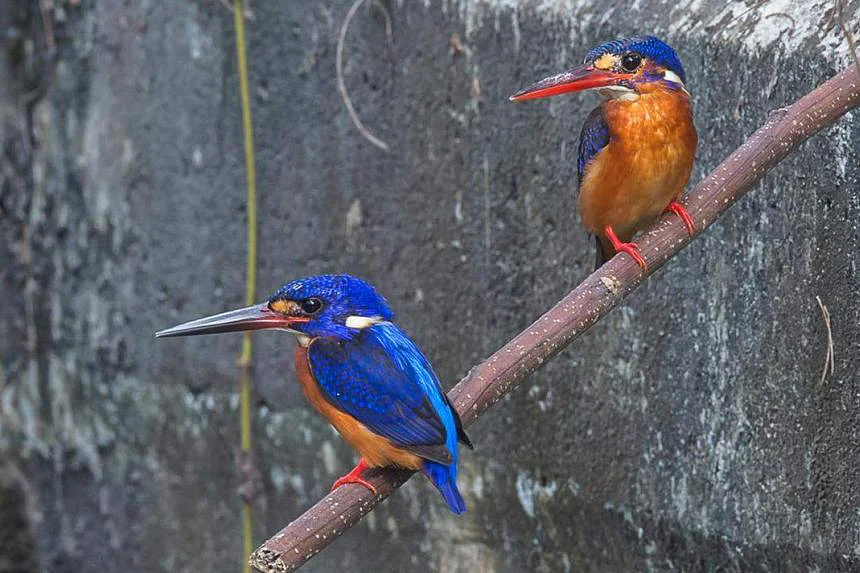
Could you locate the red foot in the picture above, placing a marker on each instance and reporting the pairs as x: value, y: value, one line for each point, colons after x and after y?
x: 631, y: 249
x: 679, y: 210
x: 355, y: 477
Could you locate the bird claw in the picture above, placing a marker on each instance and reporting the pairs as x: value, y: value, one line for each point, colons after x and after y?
x: 679, y: 210
x: 355, y: 477
x: 631, y: 249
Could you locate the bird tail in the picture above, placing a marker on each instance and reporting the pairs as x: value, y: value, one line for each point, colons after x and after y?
x: 445, y: 480
x: 600, y: 256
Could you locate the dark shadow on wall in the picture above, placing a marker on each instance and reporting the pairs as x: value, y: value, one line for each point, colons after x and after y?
x: 575, y: 534
x: 16, y: 541
x: 695, y: 552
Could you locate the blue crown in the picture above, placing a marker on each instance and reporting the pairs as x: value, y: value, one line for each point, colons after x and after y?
x: 343, y: 292
x: 649, y: 47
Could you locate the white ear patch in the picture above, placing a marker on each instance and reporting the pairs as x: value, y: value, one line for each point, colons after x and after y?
x: 671, y: 76
x: 618, y: 92
x: 360, y: 322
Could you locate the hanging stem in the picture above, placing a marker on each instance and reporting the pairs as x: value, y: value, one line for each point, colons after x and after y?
x: 245, y: 465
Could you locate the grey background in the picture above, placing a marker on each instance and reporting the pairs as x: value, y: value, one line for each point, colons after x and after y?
x: 689, y: 431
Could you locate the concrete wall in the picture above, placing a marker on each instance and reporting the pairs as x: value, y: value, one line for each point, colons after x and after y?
x: 688, y: 431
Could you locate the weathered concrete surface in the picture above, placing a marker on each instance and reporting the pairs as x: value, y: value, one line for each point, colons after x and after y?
x: 688, y: 431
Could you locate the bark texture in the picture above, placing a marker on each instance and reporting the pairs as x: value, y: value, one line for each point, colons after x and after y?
x: 688, y: 431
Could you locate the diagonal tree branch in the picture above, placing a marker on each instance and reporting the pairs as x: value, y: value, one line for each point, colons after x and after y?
x: 784, y: 130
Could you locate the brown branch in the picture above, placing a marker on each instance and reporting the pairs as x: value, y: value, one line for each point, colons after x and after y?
x: 784, y: 131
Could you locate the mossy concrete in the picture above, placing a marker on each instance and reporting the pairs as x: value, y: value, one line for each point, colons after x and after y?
x: 689, y: 431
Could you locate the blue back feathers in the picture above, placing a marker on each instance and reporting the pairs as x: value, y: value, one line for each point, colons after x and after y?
x: 649, y: 47
x: 382, y: 379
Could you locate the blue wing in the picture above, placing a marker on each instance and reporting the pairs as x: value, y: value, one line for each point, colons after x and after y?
x: 593, y: 138
x: 382, y: 380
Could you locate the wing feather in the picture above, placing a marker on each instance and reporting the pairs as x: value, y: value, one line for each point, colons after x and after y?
x: 593, y: 137
x: 382, y: 380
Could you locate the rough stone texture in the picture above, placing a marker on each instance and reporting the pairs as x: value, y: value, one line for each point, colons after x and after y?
x: 688, y: 431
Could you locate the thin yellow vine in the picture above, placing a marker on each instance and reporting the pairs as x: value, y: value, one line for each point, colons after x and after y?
x: 251, y: 275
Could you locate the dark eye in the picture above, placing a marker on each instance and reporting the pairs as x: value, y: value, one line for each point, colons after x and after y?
x: 631, y: 61
x: 311, y: 305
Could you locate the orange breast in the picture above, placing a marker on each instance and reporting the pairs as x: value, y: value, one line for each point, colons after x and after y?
x: 645, y: 165
x: 375, y: 449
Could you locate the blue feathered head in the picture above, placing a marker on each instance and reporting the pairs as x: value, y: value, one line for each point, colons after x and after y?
x: 330, y: 305
x: 616, y: 69
x: 325, y: 305
x: 639, y: 49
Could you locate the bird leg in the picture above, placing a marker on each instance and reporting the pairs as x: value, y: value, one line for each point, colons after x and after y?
x: 631, y: 249
x: 355, y: 477
x: 679, y: 210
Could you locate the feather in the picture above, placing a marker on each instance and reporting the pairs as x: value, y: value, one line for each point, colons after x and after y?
x: 593, y: 138
x: 445, y: 480
x: 381, y: 379
x: 600, y: 257
x: 651, y: 47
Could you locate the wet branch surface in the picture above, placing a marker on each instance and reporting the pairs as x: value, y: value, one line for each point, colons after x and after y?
x: 784, y: 130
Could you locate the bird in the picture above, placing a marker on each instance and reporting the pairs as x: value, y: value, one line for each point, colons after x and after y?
x: 636, y: 149
x: 362, y: 373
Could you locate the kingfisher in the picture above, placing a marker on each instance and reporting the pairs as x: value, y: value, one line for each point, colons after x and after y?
x: 636, y: 148
x: 362, y: 373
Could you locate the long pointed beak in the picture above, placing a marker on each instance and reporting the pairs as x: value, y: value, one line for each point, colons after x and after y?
x: 578, y: 79
x: 257, y: 317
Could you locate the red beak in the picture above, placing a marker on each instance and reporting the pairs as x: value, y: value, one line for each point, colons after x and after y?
x: 578, y: 79
x: 257, y: 317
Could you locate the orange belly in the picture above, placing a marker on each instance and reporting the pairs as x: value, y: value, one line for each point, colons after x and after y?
x: 376, y: 450
x: 645, y: 165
